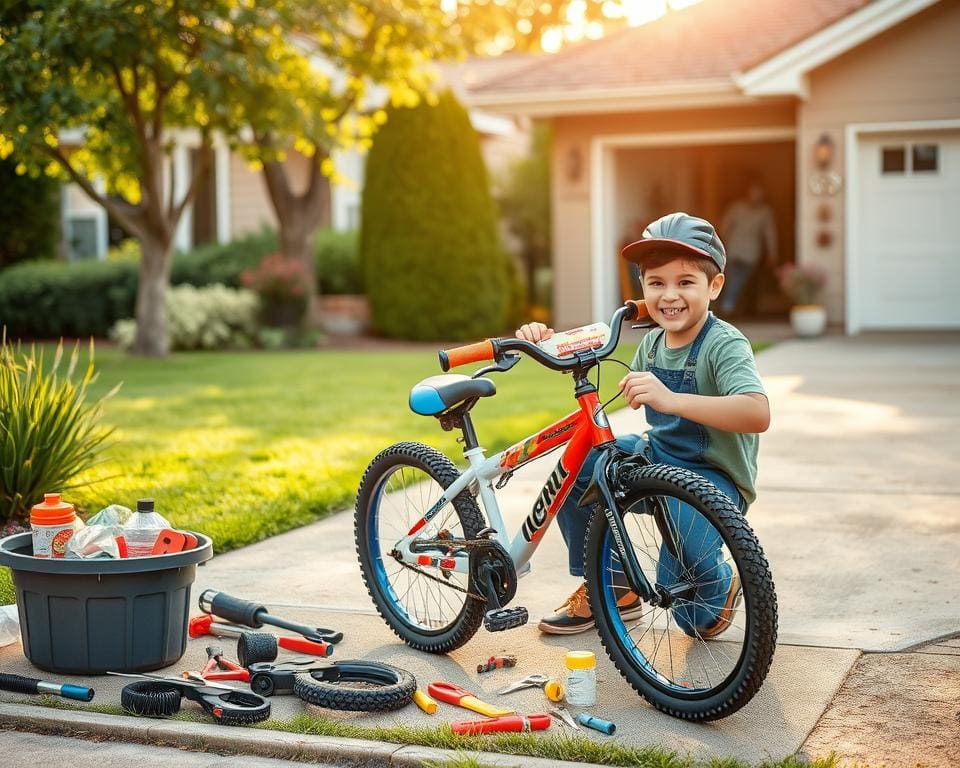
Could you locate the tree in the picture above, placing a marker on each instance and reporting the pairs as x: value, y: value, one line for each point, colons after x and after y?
x: 429, y: 243
x: 326, y: 102
x: 524, y: 199
x: 132, y: 76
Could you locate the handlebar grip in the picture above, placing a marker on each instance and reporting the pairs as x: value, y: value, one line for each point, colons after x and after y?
x: 470, y: 353
x: 232, y: 608
x: 640, y: 311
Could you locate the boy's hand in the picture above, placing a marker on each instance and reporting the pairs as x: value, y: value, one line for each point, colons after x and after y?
x: 646, y: 389
x: 535, y: 332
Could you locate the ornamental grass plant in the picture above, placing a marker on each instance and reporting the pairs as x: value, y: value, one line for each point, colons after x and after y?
x: 49, y: 428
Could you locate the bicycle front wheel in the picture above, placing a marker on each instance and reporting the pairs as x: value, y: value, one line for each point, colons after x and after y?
x: 705, y: 652
x: 428, y: 608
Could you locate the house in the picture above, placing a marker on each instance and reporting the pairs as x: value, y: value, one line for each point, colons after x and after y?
x: 847, y: 110
x: 232, y: 200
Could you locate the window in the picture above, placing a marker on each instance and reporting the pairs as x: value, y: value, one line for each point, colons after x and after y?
x: 81, y: 238
x: 894, y: 160
x: 925, y: 158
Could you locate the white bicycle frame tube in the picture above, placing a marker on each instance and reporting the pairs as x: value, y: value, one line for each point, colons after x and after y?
x: 485, y: 471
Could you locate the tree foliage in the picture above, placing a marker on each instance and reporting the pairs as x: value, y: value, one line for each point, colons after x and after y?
x: 430, y: 249
x: 29, y: 216
x: 125, y: 81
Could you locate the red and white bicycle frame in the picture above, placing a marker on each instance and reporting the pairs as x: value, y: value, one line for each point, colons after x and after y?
x: 582, y: 430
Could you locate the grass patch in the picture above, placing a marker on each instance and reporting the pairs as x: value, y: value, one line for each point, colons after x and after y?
x: 242, y: 446
x: 558, y: 746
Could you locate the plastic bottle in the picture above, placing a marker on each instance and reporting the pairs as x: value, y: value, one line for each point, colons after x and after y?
x: 581, y: 678
x: 142, y: 529
x: 52, y: 524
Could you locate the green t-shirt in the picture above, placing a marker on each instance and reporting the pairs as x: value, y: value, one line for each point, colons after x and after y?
x: 725, y: 366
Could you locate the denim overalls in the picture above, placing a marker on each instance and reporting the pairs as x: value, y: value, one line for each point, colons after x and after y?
x: 678, y: 442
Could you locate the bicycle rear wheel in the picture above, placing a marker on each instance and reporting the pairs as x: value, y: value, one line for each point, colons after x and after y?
x: 426, y: 607
x: 705, y: 654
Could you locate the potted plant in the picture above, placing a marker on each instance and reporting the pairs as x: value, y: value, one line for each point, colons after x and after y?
x: 342, y: 304
x: 281, y: 284
x: 804, y: 284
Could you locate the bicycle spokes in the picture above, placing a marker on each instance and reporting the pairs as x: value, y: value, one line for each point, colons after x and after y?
x: 679, y: 643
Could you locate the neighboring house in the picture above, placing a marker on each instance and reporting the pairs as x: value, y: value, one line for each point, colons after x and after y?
x: 232, y: 200
x: 849, y: 111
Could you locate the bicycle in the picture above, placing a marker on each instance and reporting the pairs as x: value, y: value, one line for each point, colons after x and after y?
x: 437, y: 567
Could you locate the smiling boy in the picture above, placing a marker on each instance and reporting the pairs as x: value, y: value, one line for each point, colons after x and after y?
x: 697, y: 380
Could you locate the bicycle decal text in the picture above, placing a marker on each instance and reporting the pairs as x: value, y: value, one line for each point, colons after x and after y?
x: 538, y: 515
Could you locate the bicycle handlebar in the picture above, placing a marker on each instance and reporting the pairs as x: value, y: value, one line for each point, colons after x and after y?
x: 491, y: 349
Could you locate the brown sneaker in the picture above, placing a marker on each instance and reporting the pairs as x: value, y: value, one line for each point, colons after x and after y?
x: 722, y: 624
x: 575, y: 614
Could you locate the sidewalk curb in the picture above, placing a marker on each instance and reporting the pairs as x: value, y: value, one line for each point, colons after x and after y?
x: 258, y: 742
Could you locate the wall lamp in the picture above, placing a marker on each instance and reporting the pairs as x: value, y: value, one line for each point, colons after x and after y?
x: 823, y: 151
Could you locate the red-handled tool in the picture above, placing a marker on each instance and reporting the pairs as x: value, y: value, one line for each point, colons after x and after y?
x: 205, y: 625
x: 505, y: 724
x: 454, y: 694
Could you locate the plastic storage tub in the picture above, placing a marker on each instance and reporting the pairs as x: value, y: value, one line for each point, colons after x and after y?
x: 90, y: 616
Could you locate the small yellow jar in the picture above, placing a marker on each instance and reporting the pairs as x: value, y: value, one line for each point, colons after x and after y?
x: 581, y: 678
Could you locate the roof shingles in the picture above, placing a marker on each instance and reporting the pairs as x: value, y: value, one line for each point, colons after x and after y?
x: 708, y: 41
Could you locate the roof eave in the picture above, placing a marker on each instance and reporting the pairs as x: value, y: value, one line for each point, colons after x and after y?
x: 542, y: 103
x: 786, y: 74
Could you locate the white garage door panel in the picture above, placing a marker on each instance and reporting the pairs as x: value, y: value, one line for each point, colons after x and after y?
x: 909, y: 236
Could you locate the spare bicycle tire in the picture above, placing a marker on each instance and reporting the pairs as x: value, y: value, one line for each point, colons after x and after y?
x: 391, y: 687
x: 150, y: 698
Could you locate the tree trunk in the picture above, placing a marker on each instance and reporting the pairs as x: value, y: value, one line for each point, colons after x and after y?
x: 151, y: 311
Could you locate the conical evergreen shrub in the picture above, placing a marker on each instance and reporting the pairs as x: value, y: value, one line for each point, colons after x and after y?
x: 430, y: 248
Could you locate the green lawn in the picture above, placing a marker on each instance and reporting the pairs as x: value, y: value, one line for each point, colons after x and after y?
x: 244, y: 445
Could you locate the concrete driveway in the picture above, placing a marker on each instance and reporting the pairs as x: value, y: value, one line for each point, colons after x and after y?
x: 859, y: 514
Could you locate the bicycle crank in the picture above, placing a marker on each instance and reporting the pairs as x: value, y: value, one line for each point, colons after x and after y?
x: 493, y: 574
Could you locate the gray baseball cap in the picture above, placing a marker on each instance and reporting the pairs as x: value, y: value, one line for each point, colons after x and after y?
x: 678, y: 233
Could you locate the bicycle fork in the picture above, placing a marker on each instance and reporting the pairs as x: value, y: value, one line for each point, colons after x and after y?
x: 600, y: 493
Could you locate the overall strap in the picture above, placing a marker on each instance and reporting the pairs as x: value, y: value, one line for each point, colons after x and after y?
x: 651, y: 355
x: 698, y: 342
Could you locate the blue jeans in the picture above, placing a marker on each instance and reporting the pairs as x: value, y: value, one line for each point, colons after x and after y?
x: 700, y: 543
x: 737, y: 275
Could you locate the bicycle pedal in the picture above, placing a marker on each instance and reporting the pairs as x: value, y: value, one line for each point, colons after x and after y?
x: 505, y: 618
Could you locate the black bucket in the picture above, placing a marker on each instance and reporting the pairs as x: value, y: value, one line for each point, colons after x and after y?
x: 85, y: 617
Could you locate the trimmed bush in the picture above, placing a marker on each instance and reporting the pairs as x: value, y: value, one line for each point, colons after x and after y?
x: 432, y: 260
x: 29, y: 216
x: 338, y: 264
x: 51, y: 299
x: 212, y: 317
x: 49, y: 433
x: 223, y: 264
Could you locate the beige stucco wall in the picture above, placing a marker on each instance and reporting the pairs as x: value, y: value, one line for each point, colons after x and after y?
x: 571, y: 197
x: 250, y: 207
x: 909, y: 73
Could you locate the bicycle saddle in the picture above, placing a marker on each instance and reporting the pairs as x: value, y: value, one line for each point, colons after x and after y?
x: 437, y: 394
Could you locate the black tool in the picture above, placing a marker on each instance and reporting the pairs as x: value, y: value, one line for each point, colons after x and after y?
x: 19, y: 684
x: 251, y: 614
x: 159, y: 696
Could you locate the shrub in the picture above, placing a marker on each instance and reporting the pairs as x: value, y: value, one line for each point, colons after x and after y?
x: 51, y: 299
x: 222, y: 263
x: 283, y: 286
x: 49, y: 433
x: 432, y: 261
x: 338, y: 267
x: 211, y: 317
x: 29, y: 216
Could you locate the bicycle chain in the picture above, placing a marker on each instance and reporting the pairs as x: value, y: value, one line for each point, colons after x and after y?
x: 461, y: 544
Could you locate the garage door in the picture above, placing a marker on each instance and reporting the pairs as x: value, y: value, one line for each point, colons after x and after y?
x: 908, y: 230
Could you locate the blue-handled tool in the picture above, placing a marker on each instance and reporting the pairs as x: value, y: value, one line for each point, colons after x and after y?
x: 19, y: 684
x: 604, y: 726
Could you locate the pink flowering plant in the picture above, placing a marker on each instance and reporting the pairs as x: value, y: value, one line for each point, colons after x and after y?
x: 282, y: 285
x: 803, y: 283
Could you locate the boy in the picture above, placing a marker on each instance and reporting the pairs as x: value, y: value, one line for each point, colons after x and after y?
x: 697, y: 380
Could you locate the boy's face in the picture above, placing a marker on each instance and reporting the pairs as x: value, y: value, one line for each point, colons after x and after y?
x: 678, y: 295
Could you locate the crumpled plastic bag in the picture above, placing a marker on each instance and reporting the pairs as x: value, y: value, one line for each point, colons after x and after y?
x: 9, y: 624
x: 99, y: 537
